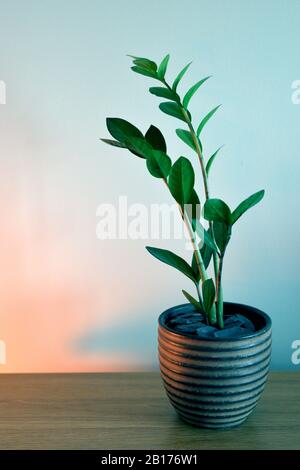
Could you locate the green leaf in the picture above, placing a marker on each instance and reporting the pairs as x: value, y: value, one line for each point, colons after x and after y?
x: 209, y: 293
x: 144, y: 63
x: 206, y: 119
x: 159, y: 164
x: 179, y: 77
x: 205, y: 236
x: 163, y: 67
x: 181, y: 180
x: 209, y: 240
x: 207, y: 250
x: 163, y: 93
x: 192, y: 91
x: 198, y: 306
x: 211, y: 160
x: 139, y: 147
x: 173, y: 260
x: 193, y: 209
x: 246, y: 204
x: 156, y: 139
x: 186, y: 137
x: 122, y: 130
x: 217, y: 210
x: 208, y: 247
x: 173, y: 109
x: 142, y: 71
x: 222, y: 233
x: 195, y: 268
x: 114, y: 143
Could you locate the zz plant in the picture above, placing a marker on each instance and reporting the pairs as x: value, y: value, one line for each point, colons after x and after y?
x: 179, y: 178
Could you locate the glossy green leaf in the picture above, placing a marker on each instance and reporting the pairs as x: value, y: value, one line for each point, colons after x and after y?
x: 217, y: 210
x: 173, y: 109
x: 156, y: 139
x: 114, y: 143
x: 142, y: 71
x: 139, y: 147
x: 159, y: 164
x: 163, y: 93
x: 161, y: 72
x: 206, y: 119
x: 192, y: 209
x: 211, y: 160
x: 207, y: 250
x: 247, y: 204
x: 192, y: 91
x: 186, y: 137
x: 144, y: 63
x: 209, y: 293
x: 209, y: 240
x: 222, y: 233
x: 181, y: 180
x: 198, y: 306
x: 195, y: 267
x: 179, y: 77
x: 173, y: 260
x: 122, y: 130
x: 205, y: 236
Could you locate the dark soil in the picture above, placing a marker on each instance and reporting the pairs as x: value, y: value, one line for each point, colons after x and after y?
x: 194, y: 323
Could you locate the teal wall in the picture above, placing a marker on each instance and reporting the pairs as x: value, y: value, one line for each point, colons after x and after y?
x: 65, y: 68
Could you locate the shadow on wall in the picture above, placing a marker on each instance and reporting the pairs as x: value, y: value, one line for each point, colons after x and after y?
x: 135, y: 336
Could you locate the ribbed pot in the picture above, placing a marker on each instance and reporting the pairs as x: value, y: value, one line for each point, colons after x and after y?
x: 214, y: 382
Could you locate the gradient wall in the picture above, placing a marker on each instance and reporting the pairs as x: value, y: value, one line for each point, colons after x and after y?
x: 72, y: 302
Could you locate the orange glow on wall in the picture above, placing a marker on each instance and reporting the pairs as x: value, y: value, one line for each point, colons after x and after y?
x: 53, y: 285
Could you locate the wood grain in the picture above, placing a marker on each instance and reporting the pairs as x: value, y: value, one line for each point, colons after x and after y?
x: 131, y: 411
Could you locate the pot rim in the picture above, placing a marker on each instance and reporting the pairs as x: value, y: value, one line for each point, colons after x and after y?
x: 268, y: 323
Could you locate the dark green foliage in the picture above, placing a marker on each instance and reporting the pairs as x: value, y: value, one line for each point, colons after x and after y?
x: 173, y: 109
x: 159, y: 164
x: 163, y: 67
x: 122, y: 130
x: 190, y: 93
x: 163, y: 93
x: 173, y: 260
x: 209, y: 293
x: 211, y: 160
x: 247, y: 204
x: 180, y: 179
x: 156, y: 139
x: 217, y: 210
x: 180, y: 76
x: 192, y: 209
x: 186, y: 137
x: 206, y: 119
x: 196, y: 303
x: 222, y: 233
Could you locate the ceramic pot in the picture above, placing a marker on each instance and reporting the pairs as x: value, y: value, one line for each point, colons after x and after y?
x: 214, y: 382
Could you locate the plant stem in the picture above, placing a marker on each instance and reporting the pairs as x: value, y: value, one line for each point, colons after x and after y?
x: 199, y: 260
x: 204, y: 175
x: 212, y: 316
x: 199, y: 293
x: 206, y: 191
x: 219, y: 296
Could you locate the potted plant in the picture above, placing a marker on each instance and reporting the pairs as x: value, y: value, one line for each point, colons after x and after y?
x: 214, y: 355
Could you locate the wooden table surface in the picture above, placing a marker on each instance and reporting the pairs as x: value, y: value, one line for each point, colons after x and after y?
x: 131, y: 411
